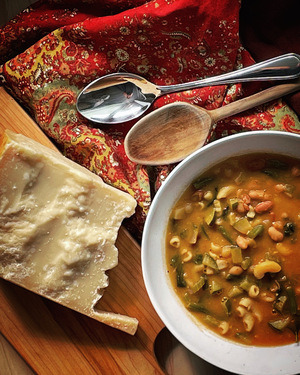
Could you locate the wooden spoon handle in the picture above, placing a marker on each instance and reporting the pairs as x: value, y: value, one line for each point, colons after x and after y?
x: 261, y: 97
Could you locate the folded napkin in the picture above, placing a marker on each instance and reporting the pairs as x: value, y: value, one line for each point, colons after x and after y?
x: 53, y: 49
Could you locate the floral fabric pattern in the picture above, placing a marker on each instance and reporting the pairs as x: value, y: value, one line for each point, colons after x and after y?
x: 53, y: 49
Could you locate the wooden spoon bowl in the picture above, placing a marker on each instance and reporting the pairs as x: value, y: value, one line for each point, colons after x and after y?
x: 174, y: 131
x: 166, y: 135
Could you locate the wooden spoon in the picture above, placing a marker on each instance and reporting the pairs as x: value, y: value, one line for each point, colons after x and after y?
x: 174, y: 131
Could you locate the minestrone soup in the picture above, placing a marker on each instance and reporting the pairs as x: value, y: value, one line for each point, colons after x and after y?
x: 233, y: 251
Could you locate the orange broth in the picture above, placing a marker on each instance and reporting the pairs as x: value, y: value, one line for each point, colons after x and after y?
x: 232, y: 249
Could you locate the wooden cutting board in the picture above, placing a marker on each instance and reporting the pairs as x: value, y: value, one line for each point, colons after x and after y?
x: 55, y: 340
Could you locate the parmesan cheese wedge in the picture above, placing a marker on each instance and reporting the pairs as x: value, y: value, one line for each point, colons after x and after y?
x: 58, y: 227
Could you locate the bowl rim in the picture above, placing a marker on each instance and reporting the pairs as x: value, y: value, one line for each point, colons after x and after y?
x: 267, y: 359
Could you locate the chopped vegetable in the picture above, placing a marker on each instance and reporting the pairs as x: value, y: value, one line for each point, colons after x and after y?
x: 198, y: 307
x: 194, y: 234
x: 280, y: 324
x: 181, y: 283
x: 292, y: 300
x: 215, y: 287
x: 212, y: 320
x: 225, y: 234
x: 176, y: 262
x: 246, y: 263
x: 242, y: 225
x: 226, y: 303
x: 211, y: 201
x: 256, y: 231
x: 210, y: 216
x: 225, y: 212
x: 236, y: 255
x: 179, y: 213
x: 198, y: 258
x: 204, y: 232
x: 209, y: 261
x: 280, y: 303
x: 235, y: 291
x: 199, y: 284
x: 202, y: 182
x: 225, y: 191
x: 233, y: 203
x: 246, y: 283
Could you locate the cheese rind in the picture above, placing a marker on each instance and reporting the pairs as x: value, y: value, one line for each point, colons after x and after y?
x: 58, y: 227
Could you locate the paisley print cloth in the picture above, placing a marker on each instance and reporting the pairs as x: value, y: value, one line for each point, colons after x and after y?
x: 53, y: 49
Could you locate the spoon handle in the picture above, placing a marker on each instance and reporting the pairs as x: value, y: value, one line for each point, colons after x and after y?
x: 251, y: 101
x: 278, y: 68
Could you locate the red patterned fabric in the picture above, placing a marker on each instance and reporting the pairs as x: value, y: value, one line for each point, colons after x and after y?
x: 52, y: 50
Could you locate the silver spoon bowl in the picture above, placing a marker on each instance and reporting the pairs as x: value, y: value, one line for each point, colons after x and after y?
x: 121, y: 97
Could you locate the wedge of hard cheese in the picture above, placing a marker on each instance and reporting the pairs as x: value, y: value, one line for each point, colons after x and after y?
x: 58, y: 226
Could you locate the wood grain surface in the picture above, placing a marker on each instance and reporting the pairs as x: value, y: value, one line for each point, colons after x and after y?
x: 55, y: 340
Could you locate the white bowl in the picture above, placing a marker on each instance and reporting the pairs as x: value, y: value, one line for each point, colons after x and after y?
x: 228, y: 355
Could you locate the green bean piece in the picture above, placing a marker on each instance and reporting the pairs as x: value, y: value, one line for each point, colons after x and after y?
x: 202, y: 182
x: 209, y: 262
x: 280, y: 303
x: 279, y: 324
x: 176, y: 263
x: 292, y: 300
x: 215, y: 287
x: 256, y: 231
x: 212, y: 320
x: 198, y: 307
x: 181, y: 283
x: 175, y: 260
x: 199, y: 284
x: 174, y: 225
x: 198, y: 258
x: 246, y: 283
x: 246, y: 263
x: 194, y: 234
x: 204, y: 232
x: 225, y: 212
x: 235, y: 291
x: 226, y: 303
x: 236, y: 255
x: 225, y: 234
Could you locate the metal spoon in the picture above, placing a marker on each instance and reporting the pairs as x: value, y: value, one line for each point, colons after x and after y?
x: 176, y: 359
x: 174, y: 131
x: 120, y: 97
